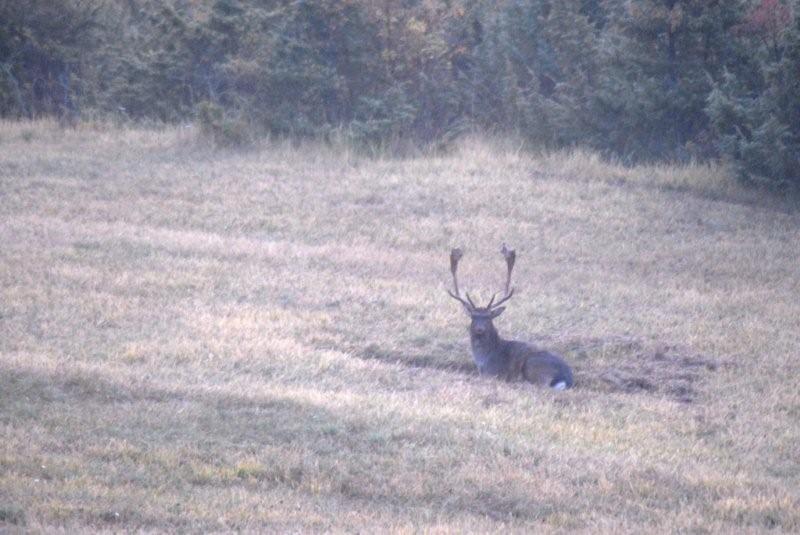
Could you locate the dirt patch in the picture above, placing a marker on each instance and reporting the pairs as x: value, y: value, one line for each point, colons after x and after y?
x: 633, y: 366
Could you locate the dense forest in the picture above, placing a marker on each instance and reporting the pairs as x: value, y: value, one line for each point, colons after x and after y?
x: 637, y: 80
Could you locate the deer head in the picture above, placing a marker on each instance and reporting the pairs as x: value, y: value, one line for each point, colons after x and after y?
x: 481, y: 325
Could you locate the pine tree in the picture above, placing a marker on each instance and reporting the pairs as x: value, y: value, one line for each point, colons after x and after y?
x: 572, y: 37
x: 42, y: 55
x: 659, y: 60
x: 756, y: 118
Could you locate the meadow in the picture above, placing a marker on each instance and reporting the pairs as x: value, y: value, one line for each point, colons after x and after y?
x: 202, y: 339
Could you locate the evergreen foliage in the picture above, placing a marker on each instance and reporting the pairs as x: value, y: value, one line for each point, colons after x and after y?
x: 756, y: 118
x: 42, y: 46
x: 636, y: 79
x: 659, y: 60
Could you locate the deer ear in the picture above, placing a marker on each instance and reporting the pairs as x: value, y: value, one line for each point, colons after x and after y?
x: 497, y: 311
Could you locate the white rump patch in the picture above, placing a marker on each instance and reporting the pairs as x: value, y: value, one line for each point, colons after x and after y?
x: 561, y: 385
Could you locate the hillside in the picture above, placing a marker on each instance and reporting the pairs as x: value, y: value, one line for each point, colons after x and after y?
x: 200, y: 339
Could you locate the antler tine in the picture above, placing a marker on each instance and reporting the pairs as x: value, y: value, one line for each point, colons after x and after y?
x: 491, y: 300
x: 504, y: 299
x: 457, y: 298
x: 470, y: 300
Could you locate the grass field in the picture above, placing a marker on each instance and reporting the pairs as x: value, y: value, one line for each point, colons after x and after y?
x: 210, y: 340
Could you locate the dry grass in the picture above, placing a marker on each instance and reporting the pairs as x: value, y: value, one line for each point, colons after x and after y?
x: 203, y: 340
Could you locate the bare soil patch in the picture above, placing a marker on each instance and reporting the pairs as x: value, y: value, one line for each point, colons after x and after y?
x: 655, y: 369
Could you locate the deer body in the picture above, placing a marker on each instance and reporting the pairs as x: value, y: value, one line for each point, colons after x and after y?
x: 512, y: 360
x: 508, y: 359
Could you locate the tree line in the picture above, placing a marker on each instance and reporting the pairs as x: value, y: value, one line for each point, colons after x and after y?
x: 639, y: 80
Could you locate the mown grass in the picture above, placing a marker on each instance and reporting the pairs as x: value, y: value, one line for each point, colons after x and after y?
x: 199, y: 339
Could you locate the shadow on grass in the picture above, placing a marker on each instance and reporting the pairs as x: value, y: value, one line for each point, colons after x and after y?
x: 609, y: 364
x: 375, y: 352
x: 129, y: 435
x: 205, y: 441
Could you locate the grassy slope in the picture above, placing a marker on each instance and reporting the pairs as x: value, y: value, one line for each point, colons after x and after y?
x: 217, y: 340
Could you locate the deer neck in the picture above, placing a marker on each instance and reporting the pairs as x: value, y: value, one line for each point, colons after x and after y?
x: 486, y: 346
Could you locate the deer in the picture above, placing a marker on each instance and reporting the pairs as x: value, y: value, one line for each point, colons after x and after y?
x: 506, y: 359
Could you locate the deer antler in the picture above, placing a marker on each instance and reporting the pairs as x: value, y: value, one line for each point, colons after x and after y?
x: 455, y: 256
x: 511, y: 257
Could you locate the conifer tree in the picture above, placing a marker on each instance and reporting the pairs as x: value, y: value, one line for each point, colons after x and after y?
x: 756, y: 118
x: 659, y: 59
x: 43, y: 49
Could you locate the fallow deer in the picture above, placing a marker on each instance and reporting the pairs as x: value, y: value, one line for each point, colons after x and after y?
x: 507, y: 359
